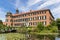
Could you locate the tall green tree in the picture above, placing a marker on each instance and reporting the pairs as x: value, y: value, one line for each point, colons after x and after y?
x: 58, y: 23
x: 1, y: 22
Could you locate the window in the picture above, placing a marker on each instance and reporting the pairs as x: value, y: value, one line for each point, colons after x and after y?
x: 30, y: 23
x: 18, y: 20
x: 23, y: 19
x: 11, y: 24
x: 37, y: 12
x: 30, y: 14
x: 44, y: 12
x: 34, y: 13
x: 30, y: 19
x: 44, y: 22
x: 34, y: 23
x: 26, y: 19
x: 41, y: 12
x: 24, y: 15
x: 44, y: 17
x: 34, y: 18
x: 39, y: 17
x: 17, y: 24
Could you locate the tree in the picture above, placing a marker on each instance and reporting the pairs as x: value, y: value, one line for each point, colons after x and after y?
x: 1, y: 22
x: 40, y: 26
x: 58, y: 23
x: 53, y: 23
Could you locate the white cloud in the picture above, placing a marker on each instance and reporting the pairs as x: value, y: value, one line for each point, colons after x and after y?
x: 56, y: 12
x: 48, y: 3
x: 2, y: 14
x: 23, y: 8
x: 32, y: 2
x: 17, y: 2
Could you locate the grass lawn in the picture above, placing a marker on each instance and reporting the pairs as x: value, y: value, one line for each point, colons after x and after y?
x: 12, y: 36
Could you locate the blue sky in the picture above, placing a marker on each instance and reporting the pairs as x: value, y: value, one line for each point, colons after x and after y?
x: 26, y: 5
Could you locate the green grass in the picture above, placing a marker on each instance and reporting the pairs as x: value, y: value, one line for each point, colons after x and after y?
x: 13, y: 36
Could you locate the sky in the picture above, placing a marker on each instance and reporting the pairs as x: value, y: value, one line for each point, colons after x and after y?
x: 26, y: 5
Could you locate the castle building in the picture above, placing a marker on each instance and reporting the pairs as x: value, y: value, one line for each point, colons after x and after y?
x: 30, y: 18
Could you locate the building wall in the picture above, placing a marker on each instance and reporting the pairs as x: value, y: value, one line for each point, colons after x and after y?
x: 32, y: 18
x: 4, y: 23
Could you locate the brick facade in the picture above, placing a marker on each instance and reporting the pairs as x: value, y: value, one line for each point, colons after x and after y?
x: 30, y: 18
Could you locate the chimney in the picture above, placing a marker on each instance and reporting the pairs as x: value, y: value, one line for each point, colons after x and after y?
x: 17, y: 11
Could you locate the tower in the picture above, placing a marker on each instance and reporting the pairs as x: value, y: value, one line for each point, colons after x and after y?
x: 17, y: 11
x: 9, y: 18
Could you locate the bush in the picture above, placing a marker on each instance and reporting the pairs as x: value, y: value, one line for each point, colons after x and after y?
x: 40, y: 26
